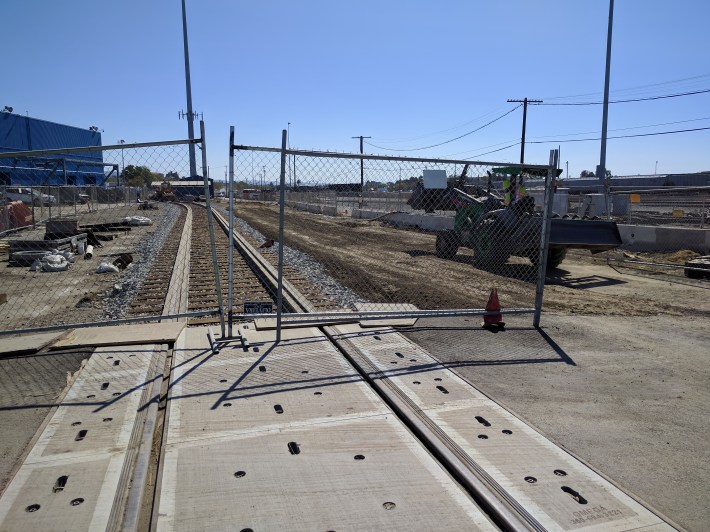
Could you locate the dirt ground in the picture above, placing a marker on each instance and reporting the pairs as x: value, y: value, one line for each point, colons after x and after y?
x: 385, y: 264
x: 618, y: 374
x: 37, y: 299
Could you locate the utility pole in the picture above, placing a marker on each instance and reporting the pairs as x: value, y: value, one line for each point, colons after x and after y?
x: 362, y: 167
x: 525, y: 103
x: 601, y: 169
x: 190, y: 114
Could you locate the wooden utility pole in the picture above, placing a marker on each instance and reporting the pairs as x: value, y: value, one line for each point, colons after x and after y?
x: 362, y: 168
x: 525, y: 103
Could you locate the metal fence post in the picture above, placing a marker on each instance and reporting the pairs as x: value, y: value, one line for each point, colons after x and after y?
x: 210, y: 223
x: 282, y: 195
x: 230, y: 249
x: 545, y: 236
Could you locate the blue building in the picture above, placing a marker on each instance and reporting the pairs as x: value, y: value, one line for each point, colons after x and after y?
x: 22, y: 133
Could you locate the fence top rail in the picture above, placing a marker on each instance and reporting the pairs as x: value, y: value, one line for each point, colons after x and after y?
x: 126, y: 146
x: 346, y: 155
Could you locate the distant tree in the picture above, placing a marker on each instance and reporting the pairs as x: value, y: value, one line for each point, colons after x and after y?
x: 172, y: 175
x: 138, y: 176
x: 589, y: 173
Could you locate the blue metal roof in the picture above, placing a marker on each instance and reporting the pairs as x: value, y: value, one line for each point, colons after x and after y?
x: 23, y: 133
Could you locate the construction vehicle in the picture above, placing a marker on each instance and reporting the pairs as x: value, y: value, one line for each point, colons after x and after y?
x: 495, y: 232
x: 164, y: 192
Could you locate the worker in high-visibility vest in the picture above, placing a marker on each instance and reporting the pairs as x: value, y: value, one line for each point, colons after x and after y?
x: 512, y: 191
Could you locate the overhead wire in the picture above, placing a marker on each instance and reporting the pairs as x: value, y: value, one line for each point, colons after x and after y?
x: 450, y: 140
x: 648, y: 98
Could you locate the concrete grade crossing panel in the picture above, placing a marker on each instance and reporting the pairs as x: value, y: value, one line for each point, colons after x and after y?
x: 556, y: 489
x: 76, y: 476
x: 302, y: 444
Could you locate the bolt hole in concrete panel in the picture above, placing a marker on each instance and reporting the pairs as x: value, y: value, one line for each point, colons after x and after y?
x: 294, y: 448
x: 116, y: 394
x: 81, y: 435
x: 574, y: 494
x: 32, y: 508
x: 530, y: 480
x: 262, y: 369
x: 227, y: 404
x: 506, y: 431
x: 416, y: 382
x: 317, y: 393
x: 482, y: 437
x: 240, y: 474
x: 483, y: 421
x: 442, y: 389
x: 438, y: 379
x: 246, y: 530
x: 104, y: 386
x: 116, y: 363
x: 129, y: 356
x: 400, y: 355
x: 305, y: 371
x: 76, y: 424
x: 389, y: 506
x: 60, y: 484
x: 359, y: 457
x: 107, y: 419
x: 255, y: 349
x: 278, y: 409
x: 109, y: 358
x: 560, y: 473
x: 393, y: 362
x: 222, y: 380
x: 90, y: 396
x: 77, y: 501
x: 412, y: 359
x: 377, y: 338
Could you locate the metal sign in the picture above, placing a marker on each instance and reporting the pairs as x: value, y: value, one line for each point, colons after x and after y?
x: 257, y: 307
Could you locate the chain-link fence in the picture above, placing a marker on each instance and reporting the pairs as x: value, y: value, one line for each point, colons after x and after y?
x: 664, y: 230
x: 83, y: 246
x: 393, y: 235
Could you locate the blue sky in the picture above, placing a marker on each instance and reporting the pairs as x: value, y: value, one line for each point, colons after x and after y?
x: 409, y: 74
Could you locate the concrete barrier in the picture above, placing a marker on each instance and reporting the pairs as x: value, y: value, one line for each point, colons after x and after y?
x: 651, y: 238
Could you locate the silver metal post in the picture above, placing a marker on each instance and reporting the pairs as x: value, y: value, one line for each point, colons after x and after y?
x: 230, y: 249
x: 210, y: 222
x: 545, y: 236
x: 282, y: 195
x: 190, y: 115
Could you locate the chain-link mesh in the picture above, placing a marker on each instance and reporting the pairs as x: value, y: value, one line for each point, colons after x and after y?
x: 84, y: 244
x: 379, y: 233
x: 664, y: 231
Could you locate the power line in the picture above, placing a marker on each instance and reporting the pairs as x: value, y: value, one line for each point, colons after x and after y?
x: 629, y: 89
x: 621, y: 136
x: 447, y: 141
x: 661, y: 97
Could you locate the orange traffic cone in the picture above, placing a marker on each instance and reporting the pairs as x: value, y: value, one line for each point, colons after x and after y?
x: 495, y: 318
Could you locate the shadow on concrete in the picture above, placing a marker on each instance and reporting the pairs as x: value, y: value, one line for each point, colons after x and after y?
x: 562, y: 277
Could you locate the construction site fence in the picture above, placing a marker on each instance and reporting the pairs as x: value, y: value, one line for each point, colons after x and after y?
x: 366, y: 239
x: 93, y: 252
x: 662, y: 229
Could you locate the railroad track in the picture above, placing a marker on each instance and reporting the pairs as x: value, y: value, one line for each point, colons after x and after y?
x: 248, y: 285
x: 500, y: 483
x: 364, y: 422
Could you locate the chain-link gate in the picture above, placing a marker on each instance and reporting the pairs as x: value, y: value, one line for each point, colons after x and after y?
x: 88, y: 238
x: 393, y: 236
